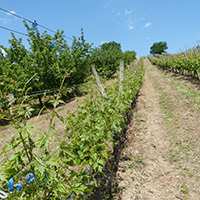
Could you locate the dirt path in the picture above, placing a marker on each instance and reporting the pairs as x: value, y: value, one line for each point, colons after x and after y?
x: 161, y: 159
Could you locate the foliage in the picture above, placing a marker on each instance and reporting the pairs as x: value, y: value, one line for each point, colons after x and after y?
x: 129, y: 56
x: 158, y: 48
x: 79, y: 59
x: 48, y: 65
x: 111, y: 46
x: 13, y: 67
x: 184, y: 63
x: 62, y: 168
x: 60, y: 164
x: 106, y: 58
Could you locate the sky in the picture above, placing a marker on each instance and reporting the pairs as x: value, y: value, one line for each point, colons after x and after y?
x: 135, y: 24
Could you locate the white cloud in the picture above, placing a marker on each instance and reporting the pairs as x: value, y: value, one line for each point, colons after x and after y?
x: 146, y: 25
x: 13, y: 12
x: 128, y: 12
x: 130, y: 27
x: 125, y: 17
x: 148, y: 38
x: 129, y: 24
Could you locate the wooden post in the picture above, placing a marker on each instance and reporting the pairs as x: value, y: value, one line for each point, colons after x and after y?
x: 198, y: 46
x: 195, y: 49
x: 184, y: 55
x: 188, y: 47
x: 186, y: 50
x: 121, y: 74
x: 98, y: 81
x: 135, y: 66
x: 11, y: 100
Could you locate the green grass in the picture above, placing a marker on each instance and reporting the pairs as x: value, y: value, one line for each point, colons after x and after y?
x: 177, y: 148
x: 132, y: 165
x: 183, y: 88
x: 183, y: 145
x: 184, y: 189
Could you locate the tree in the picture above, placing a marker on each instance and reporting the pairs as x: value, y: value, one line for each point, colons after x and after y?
x: 106, y: 58
x: 129, y: 56
x: 45, y: 63
x: 111, y: 46
x: 80, y: 52
x: 158, y: 48
x: 13, y: 67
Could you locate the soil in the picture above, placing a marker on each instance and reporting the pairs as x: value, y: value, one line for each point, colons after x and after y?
x: 162, y: 143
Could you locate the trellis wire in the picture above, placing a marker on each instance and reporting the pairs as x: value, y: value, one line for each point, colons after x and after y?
x: 41, y: 92
x: 52, y: 147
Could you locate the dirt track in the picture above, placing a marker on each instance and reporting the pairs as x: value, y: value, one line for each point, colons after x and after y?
x: 163, y: 142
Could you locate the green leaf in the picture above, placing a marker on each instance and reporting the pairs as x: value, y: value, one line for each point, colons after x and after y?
x: 95, y: 182
x: 67, y: 151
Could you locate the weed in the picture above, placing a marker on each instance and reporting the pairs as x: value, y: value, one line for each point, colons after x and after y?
x: 138, y: 161
x: 132, y: 165
x: 184, y: 189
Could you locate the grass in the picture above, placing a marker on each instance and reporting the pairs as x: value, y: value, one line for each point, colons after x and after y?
x: 184, y: 189
x: 138, y: 161
x: 132, y: 165
x: 171, y: 122
x: 183, y: 151
x: 184, y: 89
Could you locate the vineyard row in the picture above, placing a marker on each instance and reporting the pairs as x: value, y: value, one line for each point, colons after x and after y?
x: 64, y: 170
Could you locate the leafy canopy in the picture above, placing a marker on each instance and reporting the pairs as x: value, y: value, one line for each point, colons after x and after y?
x: 158, y: 48
x: 48, y: 65
x: 107, y: 56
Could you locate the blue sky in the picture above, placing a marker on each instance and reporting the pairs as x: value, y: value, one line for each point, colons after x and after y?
x: 135, y: 24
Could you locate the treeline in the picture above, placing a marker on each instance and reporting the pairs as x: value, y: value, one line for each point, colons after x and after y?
x: 49, y: 58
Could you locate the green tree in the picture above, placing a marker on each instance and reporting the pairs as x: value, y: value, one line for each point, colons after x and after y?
x: 158, y: 48
x: 80, y: 52
x: 129, y: 56
x: 111, y: 46
x: 48, y: 59
x: 13, y: 66
x: 106, y: 58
